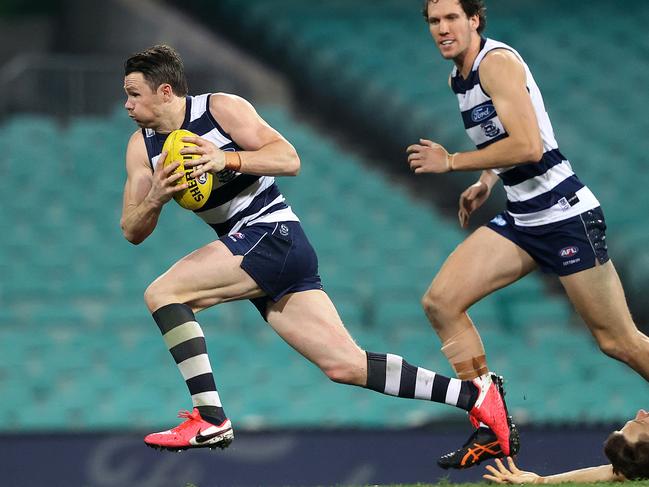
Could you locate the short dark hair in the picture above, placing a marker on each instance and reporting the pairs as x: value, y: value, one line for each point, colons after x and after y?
x: 470, y: 7
x: 628, y: 459
x: 159, y: 64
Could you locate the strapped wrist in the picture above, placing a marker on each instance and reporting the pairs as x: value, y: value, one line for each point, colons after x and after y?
x: 450, y: 161
x: 233, y: 161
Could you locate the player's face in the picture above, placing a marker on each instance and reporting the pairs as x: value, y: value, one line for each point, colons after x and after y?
x: 142, y: 103
x: 450, y: 27
x: 637, y: 427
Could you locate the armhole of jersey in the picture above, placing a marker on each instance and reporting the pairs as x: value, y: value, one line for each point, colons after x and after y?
x: 485, y: 55
x: 213, y: 120
x: 148, y: 147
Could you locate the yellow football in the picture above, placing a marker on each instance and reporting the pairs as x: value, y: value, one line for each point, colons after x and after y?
x: 199, y: 189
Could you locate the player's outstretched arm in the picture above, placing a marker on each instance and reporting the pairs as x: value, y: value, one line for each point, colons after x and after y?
x: 265, y: 151
x: 513, y: 475
x: 503, y: 78
x: 145, y: 192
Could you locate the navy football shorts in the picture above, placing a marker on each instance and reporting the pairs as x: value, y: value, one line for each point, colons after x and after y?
x: 278, y: 256
x: 562, y: 248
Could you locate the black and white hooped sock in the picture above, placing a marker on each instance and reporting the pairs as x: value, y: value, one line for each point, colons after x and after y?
x: 391, y: 374
x: 185, y: 340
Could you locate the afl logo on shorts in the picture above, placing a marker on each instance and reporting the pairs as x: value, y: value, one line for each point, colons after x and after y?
x: 283, y: 230
x: 568, y: 251
x: 236, y: 236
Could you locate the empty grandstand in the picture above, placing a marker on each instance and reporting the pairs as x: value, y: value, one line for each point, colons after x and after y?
x: 74, y: 329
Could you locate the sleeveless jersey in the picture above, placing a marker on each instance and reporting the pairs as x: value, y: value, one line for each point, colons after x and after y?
x: 236, y: 199
x: 537, y: 193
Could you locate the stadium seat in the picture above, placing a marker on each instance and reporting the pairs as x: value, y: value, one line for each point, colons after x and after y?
x: 73, y: 311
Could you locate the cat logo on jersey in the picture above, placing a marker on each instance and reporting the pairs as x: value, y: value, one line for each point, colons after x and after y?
x: 490, y: 129
x: 226, y: 175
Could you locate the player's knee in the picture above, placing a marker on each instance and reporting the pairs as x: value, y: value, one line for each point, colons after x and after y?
x: 155, y: 296
x: 436, y: 304
x: 151, y: 298
x: 430, y: 304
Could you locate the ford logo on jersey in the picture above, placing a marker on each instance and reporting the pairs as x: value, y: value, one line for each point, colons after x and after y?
x: 568, y: 251
x: 478, y: 114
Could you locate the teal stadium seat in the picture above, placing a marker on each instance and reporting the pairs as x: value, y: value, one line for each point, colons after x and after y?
x: 79, y: 318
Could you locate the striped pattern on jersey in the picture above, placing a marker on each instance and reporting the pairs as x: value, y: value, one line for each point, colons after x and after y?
x: 236, y: 199
x: 537, y: 193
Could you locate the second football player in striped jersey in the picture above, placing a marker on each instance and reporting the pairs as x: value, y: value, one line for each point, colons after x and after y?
x: 552, y: 220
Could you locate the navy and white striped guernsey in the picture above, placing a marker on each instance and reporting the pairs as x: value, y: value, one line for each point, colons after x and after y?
x: 236, y: 199
x: 537, y: 193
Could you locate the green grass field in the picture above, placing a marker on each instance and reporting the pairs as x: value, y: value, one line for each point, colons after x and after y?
x: 637, y: 483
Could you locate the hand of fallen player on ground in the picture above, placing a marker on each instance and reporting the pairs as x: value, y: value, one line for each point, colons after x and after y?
x: 164, y: 183
x: 427, y: 156
x: 511, y: 475
x: 471, y: 199
x: 212, y: 158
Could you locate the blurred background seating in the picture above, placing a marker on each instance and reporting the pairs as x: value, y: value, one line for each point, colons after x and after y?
x: 73, y: 326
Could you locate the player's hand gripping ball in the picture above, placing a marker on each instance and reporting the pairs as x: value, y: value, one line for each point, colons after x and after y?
x: 198, y: 189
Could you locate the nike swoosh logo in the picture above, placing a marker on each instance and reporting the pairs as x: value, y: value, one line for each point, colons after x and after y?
x: 203, y: 438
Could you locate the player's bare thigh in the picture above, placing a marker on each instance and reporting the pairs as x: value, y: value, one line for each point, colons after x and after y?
x: 309, y: 322
x: 598, y: 297
x: 204, y: 278
x: 483, y: 263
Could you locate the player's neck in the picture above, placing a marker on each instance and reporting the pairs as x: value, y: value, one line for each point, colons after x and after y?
x: 173, y: 116
x: 464, y: 62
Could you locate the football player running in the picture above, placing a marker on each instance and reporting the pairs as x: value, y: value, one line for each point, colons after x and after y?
x: 553, y: 221
x: 261, y: 255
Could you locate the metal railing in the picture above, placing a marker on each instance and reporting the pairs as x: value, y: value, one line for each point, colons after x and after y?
x: 60, y: 85
x: 68, y: 85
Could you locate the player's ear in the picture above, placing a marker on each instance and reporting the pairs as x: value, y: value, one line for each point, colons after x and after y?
x: 166, y: 91
x: 474, y: 22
